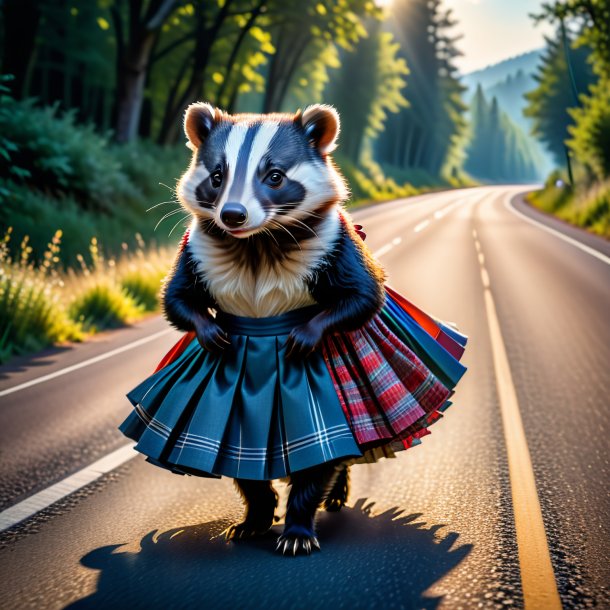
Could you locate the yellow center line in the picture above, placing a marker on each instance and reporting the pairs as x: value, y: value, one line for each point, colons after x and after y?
x: 537, y: 576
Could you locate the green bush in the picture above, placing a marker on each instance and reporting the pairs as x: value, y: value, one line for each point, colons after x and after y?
x: 103, y: 306
x: 61, y: 158
x: 143, y: 288
x: 585, y: 206
x: 57, y: 174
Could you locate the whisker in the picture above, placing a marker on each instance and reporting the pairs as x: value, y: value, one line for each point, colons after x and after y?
x: 181, y: 220
x: 152, y: 207
x: 288, y: 209
x: 277, y: 224
x: 301, y: 223
x: 169, y: 188
x: 176, y: 211
x: 268, y: 232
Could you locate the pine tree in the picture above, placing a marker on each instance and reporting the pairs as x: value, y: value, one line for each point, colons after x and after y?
x: 422, y: 135
x: 557, y: 91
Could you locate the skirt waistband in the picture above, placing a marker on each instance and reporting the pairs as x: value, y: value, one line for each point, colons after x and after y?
x: 264, y: 327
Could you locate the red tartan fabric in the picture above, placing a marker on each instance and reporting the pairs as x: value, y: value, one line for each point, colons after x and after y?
x: 385, y: 390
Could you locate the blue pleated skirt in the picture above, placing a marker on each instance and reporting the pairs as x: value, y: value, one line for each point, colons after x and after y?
x: 249, y: 413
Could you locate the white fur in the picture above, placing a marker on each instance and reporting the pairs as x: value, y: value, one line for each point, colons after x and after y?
x: 268, y: 290
x: 192, y: 178
x: 256, y: 213
x: 321, y: 182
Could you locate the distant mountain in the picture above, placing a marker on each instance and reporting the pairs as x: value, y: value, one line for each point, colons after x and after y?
x: 508, y: 81
x: 492, y: 75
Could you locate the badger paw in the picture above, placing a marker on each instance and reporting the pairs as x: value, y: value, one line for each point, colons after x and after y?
x: 292, y: 545
x: 245, y: 529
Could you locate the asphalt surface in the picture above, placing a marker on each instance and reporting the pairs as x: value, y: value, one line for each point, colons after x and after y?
x: 432, y: 528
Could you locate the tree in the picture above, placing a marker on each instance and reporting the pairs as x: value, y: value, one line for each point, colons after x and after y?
x: 590, y: 132
x: 498, y: 150
x: 556, y: 92
x: 591, y: 113
x: 300, y: 25
x: 137, y: 28
x: 423, y: 135
x: 367, y: 87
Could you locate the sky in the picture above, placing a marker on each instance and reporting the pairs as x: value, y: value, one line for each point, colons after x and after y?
x: 495, y: 30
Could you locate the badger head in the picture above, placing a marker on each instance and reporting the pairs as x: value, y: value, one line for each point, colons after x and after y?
x: 253, y: 173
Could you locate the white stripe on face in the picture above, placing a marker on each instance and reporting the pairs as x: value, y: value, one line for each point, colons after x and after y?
x: 235, y: 140
x: 259, y: 146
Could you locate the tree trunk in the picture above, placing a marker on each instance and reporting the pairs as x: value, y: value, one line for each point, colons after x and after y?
x: 133, y: 61
x: 130, y: 94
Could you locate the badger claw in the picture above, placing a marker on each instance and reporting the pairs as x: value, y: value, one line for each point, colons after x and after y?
x: 293, y: 544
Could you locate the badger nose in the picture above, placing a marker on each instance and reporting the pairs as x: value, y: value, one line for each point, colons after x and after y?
x: 233, y: 214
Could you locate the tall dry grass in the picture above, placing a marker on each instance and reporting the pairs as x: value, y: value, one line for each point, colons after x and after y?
x: 42, y: 303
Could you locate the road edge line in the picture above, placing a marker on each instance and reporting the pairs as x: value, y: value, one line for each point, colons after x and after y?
x: 84, y: 363
x: 592, y: 251
x: 43, y: 499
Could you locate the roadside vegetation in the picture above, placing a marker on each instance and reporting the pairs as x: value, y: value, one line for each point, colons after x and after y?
x: 42, y: 303
x: 571, y: 112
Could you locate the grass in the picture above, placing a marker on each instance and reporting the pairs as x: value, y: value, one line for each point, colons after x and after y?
x: 41, y: 303
x: 587, y: 207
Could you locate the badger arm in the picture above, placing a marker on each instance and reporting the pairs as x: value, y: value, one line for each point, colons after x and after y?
x: 350, y: 288
x: 186, y: 302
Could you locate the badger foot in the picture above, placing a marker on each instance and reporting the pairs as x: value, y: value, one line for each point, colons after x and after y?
x: 246, y: 529
x: 337, y: 496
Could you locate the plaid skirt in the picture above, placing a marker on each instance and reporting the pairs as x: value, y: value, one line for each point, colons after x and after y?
x: 251, y: 413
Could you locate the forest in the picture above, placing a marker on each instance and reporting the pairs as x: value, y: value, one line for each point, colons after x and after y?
x: 92, y: 94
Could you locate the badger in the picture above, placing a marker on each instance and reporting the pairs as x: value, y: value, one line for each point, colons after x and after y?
x: 270, y: 234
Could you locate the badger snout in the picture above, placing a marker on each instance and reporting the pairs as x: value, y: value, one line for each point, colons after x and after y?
x: 233, y: 215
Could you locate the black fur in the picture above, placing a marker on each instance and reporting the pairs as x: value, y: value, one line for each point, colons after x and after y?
x: 337, y: 498
x: 186, y: 303
x: 309, y: 488
x: 350, y: 288
x: 260, y: 500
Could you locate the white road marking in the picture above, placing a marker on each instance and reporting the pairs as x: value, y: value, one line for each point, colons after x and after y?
x: 43, y: 499
x: 485, y: 277
x: 421, y: 226
x: 570, y: 240
x: 84, y: 363
x: 537, y: 576
x: 385, y: 249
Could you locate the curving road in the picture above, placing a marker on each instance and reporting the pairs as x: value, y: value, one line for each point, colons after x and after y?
x: 434, y: 528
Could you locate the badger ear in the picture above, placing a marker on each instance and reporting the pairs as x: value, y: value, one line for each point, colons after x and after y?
x: 199, y: 119
x: 321, y: 125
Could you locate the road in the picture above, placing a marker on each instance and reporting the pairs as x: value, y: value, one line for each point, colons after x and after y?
x: 434, y: 528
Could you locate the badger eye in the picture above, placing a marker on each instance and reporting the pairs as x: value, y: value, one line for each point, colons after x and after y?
x: 216, y: 179
x: 274, y: 178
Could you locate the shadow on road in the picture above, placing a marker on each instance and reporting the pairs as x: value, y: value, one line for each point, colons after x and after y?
x: 19, y: 364
x: 383, y: 561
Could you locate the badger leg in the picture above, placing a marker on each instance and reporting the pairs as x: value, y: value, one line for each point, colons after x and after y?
x: 309, y: 489
x: 260, y: 499
x: 337, y: 497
